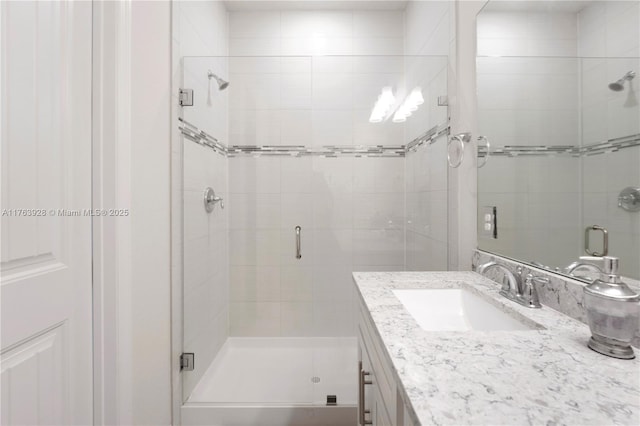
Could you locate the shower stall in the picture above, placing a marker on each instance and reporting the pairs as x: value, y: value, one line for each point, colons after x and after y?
x: 307, y: 144
x: 287, y: 188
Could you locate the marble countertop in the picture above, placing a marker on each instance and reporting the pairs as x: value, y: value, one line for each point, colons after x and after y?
x: 537, y: 377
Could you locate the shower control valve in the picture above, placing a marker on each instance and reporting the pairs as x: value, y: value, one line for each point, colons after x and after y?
x: 629, y: 199
x: 210, y: 200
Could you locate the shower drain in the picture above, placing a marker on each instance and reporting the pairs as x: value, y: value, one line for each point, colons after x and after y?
x: 315, y: 379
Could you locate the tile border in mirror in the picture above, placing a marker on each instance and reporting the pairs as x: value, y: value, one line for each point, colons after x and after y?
x: 561, y: 293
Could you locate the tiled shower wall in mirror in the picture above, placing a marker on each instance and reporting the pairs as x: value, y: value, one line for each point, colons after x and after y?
x: 544, y: 101
x: 611, y: 30
x: 530, y: 100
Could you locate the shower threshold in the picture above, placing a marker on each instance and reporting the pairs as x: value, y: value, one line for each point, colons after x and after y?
x: 279, y: 381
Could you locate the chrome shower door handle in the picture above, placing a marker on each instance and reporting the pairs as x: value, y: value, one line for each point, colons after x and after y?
x: 298, y: 243
x: 605, y: 241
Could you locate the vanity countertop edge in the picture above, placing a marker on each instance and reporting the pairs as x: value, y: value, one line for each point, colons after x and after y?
x: 542, y: 376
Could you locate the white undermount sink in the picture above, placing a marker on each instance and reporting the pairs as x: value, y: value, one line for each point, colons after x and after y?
x: 456, y: 310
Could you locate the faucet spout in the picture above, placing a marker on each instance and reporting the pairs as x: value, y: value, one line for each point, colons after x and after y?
x: 511, y: 287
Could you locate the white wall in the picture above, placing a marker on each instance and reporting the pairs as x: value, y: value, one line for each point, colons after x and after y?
x: 200, y: 278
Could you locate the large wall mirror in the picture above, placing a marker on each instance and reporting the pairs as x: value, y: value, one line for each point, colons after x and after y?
x: 558, y: 94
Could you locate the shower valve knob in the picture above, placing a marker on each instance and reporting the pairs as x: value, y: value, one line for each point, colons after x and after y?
x: 629, y: 199
x: 210, y: 200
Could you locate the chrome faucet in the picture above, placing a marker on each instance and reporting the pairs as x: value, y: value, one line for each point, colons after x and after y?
x: 513, y: 288
x: 510, y: 288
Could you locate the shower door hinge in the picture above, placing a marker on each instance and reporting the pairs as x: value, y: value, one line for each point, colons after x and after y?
x: 443, y: 100
x: 187, y: 361
x: 186, y: 97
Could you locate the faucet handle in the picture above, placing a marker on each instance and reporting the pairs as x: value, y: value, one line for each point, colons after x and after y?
x: 530, y: 290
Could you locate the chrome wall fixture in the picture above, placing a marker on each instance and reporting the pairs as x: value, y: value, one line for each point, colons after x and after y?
x: 629, y: 199
x: 618, y: 85
x: 210, y: 200
x: 222, y: 84
x: 457, y: 142
x: 484, y: 151
x: 298, y: 243
x: 185, y: 97
x: 605, y: 241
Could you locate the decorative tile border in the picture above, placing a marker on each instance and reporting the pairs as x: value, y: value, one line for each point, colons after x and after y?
x: 561, y: 293
x: 192, y: 133
x: 530, y: 151
x: 429, y: 137
x: 324, y: 151
x: 612, y: 145
x: 198, y: 136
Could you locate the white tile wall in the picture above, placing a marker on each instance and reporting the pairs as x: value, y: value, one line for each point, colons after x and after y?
x: 206, y: 256
x: 530, y: 99
x: 200, y: 242
x: 346, y: 226
x: 427, y: 32
x: 426, y: 208
x: 608, y: 35
x: 309, y: 96
x: 527, y: 34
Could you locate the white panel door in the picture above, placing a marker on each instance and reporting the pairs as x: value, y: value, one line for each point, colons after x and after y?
x: 45, y: 268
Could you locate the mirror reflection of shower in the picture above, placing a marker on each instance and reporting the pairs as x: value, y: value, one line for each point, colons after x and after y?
x: 617, y: 86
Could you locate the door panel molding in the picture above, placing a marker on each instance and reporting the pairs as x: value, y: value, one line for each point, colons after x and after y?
x: 39, y: 359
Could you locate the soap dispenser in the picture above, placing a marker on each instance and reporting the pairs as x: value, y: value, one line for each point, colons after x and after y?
x: 612, y: 312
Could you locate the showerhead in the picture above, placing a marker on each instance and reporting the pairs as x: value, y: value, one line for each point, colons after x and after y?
x: 222, y: 84
x: 619, y: 85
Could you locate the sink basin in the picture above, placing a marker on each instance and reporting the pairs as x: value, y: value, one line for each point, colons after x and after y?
x: 456, y: 310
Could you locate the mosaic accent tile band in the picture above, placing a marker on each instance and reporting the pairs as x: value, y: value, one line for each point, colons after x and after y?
x: 612, y: 145
x: 429, y: 137
x: 198, y: 136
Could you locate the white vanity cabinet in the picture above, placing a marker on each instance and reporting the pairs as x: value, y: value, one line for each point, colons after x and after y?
x: 379, y: 402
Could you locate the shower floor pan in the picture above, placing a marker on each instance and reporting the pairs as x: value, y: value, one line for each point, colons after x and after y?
x: 277, y: 381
